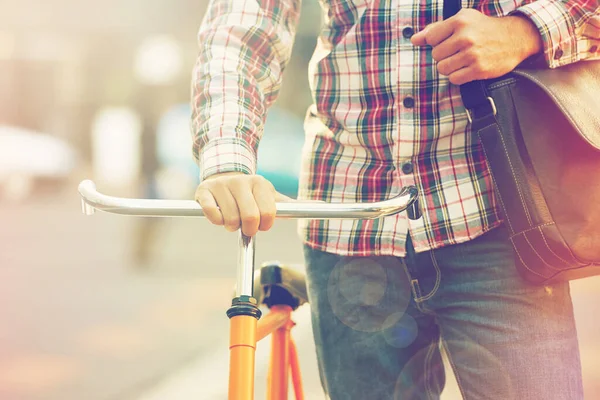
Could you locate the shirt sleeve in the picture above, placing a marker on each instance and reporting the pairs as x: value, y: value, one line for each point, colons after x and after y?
x: 570, y: 29
x: 244, y: 48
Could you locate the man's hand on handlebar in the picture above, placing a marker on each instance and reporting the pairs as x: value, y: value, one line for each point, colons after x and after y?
x: 234, y: 198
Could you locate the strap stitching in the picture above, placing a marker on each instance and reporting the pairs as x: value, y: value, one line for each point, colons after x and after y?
x: 494, y: 180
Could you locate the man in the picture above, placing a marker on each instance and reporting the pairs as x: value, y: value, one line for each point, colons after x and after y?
x: 387, y: 295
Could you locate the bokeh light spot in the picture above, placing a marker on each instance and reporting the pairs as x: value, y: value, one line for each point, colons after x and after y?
x: 403, y: 333
x: 368, y: 294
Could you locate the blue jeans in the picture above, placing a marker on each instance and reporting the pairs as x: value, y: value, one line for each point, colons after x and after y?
x: 380, y: 324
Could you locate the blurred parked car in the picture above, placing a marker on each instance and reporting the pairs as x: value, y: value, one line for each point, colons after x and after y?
x: 31, y: 161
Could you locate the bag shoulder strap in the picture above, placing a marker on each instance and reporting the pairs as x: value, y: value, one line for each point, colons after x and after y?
x: 474, y: 94
x: 451, y: 7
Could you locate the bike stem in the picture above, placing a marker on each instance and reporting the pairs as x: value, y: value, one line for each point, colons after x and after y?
x: 245, y: 275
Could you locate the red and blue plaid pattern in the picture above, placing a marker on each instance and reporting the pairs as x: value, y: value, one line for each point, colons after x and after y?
x: 382, y: 116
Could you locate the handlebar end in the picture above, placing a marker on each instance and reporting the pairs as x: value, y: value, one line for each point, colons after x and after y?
x: 86, y: 186
x: 414, y: 209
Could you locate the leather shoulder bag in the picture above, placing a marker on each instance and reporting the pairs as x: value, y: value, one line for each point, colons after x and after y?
x: 540, y: 130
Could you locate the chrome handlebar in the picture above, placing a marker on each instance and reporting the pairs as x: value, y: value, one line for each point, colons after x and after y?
x: 93, y: 200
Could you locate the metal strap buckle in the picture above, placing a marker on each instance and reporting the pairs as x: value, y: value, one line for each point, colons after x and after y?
x: 492, y: 104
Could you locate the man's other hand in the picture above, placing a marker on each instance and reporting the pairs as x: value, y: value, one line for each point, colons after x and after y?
x: 471, y: 46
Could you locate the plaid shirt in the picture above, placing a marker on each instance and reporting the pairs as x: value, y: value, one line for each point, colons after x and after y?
x: 382, y: 116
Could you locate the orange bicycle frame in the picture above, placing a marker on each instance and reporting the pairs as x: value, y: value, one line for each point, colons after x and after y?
x: 245, y: 332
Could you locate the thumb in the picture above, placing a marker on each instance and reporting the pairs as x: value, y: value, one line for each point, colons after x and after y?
x: 282, y: 198
x: 419, y: 39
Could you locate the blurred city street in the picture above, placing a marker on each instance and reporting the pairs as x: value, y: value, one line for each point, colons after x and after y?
x: 82, y: 318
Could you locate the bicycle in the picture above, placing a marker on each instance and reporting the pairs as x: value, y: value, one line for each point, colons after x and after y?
x: 280, y: 288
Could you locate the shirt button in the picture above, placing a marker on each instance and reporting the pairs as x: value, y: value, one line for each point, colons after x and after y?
x: 407, y: 168
x: 408, y: 102
x: 559, y: 53
x: 408, y: 32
